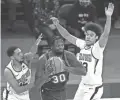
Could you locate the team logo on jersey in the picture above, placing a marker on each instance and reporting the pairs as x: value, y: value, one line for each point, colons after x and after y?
x: 85, y: 57
x: 55, y: 65
x: 24, y: 79
x: 49, y: 67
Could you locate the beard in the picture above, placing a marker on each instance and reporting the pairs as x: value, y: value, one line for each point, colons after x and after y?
x: 58, y: 53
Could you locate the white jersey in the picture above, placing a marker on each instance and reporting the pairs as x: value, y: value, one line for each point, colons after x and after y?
x: 92, y: 59
x: 23, y: 78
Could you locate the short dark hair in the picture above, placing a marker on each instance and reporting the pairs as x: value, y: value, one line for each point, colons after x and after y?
x: 94, y: 27
x: 10, y: 50
x: 56, y: 38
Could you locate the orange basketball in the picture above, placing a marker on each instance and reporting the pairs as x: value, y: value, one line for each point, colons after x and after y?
x: 57, y: 64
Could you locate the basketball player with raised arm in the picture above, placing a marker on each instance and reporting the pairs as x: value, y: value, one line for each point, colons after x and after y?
x: 91, y: 55
x: 19, y: 74
x: 58, y: 63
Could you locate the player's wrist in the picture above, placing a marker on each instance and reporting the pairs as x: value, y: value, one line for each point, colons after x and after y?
x: 109, y: 16
x: 38, y: 42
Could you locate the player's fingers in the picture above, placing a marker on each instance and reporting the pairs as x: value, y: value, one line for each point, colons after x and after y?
x: 112, y: 6
x: 105, y: 9
x: 56, y: 22
x: 53, y: 18
x: 39, y: 39
x: 109, y: 4
x: 40, y: 36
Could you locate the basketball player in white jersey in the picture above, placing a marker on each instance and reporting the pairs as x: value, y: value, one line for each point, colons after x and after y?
x: 91, y: 55
x: 19, y: 74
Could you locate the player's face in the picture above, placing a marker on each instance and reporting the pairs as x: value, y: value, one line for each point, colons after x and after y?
x: 90, y: 37
x: 84, y: 2
x: 18, y: 55
x: 58, y: 46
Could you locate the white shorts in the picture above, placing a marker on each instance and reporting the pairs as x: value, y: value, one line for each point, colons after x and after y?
x: 88, y: 92
x: 12, y: 97
x: 7, y: 96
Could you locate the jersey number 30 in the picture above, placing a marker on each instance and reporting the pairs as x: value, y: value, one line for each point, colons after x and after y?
x: 59, y: 79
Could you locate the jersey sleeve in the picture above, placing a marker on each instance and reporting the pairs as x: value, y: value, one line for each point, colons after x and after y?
x: 97, y: 51
x: 80, y: 43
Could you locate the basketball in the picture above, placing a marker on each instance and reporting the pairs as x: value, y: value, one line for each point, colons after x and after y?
x: 56, y: 64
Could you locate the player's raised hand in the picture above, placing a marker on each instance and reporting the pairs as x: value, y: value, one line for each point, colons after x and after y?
x: 32, y: 52
x: 109, y: 10
x: 39, y: 39
x: 55, y: 20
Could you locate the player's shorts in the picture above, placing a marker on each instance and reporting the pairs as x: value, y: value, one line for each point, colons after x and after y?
x: 12, y: 97
x: 88, y: 92
x: 9, y: 96
x: 53, y: 95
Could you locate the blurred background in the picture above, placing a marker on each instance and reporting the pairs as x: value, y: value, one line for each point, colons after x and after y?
x: 23, y: 20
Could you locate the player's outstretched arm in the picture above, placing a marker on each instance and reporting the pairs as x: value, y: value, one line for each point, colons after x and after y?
x: 75, y: 66
x: 76, y: 70
x: 104, y: 37
x: 31, y: 54
x: 41, y: 77
x: 15, y: 85
x: 34, y: 48
x: 65, y: 34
